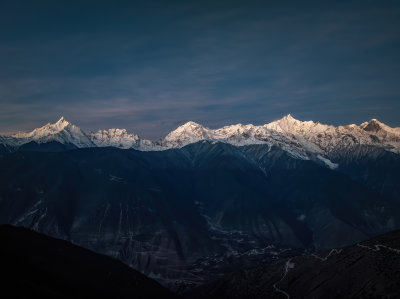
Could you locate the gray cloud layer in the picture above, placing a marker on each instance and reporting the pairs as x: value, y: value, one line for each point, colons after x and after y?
x: 149, y: 68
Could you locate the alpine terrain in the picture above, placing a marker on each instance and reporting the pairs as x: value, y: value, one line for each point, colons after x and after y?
x: 203, y: 202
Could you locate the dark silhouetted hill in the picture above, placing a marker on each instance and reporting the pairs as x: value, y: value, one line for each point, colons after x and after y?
x: 36, y: 266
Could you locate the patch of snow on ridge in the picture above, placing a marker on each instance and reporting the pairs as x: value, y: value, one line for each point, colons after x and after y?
x: 328, y: 162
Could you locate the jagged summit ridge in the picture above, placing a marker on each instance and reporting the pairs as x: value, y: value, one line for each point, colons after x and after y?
x: 114, y: 137
x: 301, y: 139
x: 62, y: 131
x: 185, y: 134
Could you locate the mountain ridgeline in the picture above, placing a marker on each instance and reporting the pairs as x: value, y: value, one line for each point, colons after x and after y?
x: 302, y: 139
x: 196, y: 205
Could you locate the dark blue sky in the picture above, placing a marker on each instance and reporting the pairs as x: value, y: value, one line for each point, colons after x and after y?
x: 149, y: 66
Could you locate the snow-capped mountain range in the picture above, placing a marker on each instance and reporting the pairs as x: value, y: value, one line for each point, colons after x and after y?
x: 301, y: 139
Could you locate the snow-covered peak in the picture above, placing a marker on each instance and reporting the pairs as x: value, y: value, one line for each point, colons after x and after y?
x: 290, y: 125
x: 189, y: 132
x: 62, y: 131
x: 190, y: 128
x: 288, y: 118
x: 372, y: 125
x: 376, y: 126
x: 48, y: 129
x: 189, y: 124
x: 62, y: 122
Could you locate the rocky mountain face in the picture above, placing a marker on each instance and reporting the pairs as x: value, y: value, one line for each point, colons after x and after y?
x: 38, y: 266
x: 364, y: 270
x: 187, y: 215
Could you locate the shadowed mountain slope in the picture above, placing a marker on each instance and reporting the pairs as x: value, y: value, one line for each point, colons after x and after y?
x: 37, y: 266
x: 162, y: 212
x: 368, y: 269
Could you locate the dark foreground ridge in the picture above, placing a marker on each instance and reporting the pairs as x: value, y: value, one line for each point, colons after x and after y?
x: 369, y: 269
x: 36, y: 266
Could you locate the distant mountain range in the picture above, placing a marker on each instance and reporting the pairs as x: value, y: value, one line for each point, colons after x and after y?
x: 305, y: 140
x: 201, y: 202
